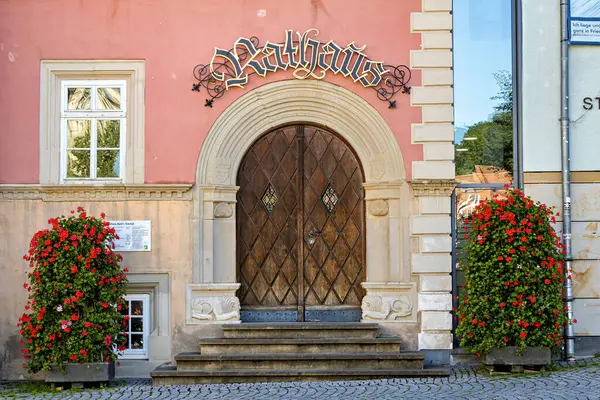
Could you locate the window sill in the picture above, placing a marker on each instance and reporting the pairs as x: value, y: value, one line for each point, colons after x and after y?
x: 134, y: 357
x: 95, y: 182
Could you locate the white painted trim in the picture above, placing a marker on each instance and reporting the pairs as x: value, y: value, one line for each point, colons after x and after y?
x: 157, y: 284
x: 93, y: 115
x: 143, y: 353
x: 52, y: 74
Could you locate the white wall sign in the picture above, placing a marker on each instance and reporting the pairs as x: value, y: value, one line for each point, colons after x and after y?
x: 584, y: 22
x: 133, y: 235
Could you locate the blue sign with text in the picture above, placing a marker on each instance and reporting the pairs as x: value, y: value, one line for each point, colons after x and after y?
x: 584, y: 22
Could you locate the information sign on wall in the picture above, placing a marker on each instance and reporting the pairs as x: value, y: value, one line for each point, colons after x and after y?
x: 584, y: 22
x: 133, y: 235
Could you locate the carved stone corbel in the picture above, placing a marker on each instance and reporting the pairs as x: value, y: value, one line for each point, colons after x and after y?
x: 216, y: 309
x: 213, y: 303
x: 389, y: 302
x: 377, y: 308
x: 378, y: 208
x: 223, y: 210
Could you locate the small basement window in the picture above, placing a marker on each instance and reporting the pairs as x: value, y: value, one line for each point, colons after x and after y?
x: 138, y: 309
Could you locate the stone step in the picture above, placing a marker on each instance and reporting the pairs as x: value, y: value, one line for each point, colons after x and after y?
x: 169, y: 375
x: 313, y: 346
x: 298, y: 330
x: 323, y: 361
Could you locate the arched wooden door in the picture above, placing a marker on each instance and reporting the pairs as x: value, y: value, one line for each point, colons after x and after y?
x: 300, y: 228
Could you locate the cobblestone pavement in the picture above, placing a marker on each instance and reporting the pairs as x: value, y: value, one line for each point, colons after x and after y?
x: 579, y: 382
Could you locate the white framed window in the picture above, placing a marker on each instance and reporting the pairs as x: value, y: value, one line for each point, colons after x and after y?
x: 138, y: 310
x: 104, y: 98
x: 93, y: 130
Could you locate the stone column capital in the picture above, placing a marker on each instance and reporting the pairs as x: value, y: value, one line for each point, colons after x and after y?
x: 441, y: 188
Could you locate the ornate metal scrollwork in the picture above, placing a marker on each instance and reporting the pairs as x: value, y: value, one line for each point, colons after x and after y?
x: 394, y: 81
x: 216, y: 88
x: 233, y: 67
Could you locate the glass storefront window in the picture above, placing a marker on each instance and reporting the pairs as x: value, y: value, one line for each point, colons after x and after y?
x: 483, y: 112
x: 483, y: 90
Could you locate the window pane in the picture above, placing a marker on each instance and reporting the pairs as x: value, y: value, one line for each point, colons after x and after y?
x: 109, y: 133
x: 137, y: 324
x: 78, y: 164
x: 137, y: 308
x: 78, y: 134
x: 79, y: 99
x: 483, y: 91
x: 108, y: 164
x: 109, y: 99
x: 137, y: 341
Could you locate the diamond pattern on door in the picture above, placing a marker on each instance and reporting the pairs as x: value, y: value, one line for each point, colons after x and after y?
x: 266, y: 215
x: 329, y: 224
x: 333, y: 176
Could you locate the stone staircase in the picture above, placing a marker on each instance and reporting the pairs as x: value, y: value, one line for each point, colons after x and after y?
x: 270, y: 352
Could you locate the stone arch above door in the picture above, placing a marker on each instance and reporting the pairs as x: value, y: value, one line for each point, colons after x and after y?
x: 386, y: 193
x: 292, y: 101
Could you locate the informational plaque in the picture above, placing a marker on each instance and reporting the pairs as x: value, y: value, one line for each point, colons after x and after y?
x: 584, y: 22
x: 133, y: 235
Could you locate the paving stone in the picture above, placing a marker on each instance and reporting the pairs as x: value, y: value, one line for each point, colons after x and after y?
x: 466, y: 382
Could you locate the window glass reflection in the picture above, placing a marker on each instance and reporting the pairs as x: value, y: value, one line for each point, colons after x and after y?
x: 79, y: 99
x: 483, y: 91
x: 109, y: 99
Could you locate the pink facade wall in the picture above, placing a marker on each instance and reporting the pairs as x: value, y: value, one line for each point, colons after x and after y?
x: 172, y: 37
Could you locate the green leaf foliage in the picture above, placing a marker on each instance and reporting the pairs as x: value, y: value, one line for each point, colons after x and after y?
x: 76, y: 294
x: 514, y: 277
x: 106, y: 160
x: 493, y: 144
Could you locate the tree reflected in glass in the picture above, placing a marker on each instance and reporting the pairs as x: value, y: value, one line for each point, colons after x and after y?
x: 485, y: 154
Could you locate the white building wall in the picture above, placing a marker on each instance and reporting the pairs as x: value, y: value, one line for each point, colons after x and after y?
x: 541, y: 93
x: 542, y: 150
x: 541, y: 85
x: 585, y: 127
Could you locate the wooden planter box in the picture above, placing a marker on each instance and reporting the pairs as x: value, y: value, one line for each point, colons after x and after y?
x: 507, y: 358
x: 80, y: 374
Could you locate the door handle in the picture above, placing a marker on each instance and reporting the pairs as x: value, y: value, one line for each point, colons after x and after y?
x: 312, y: 236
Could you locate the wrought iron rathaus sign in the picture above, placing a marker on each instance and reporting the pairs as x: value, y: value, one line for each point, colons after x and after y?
x: 308, y: 58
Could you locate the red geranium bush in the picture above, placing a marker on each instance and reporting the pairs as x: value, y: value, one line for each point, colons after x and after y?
x: 514, y: 277
x: 76, y: 293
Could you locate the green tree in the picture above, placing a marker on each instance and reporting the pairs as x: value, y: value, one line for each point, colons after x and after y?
x: 107, y: 160
x: 493, y: 140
